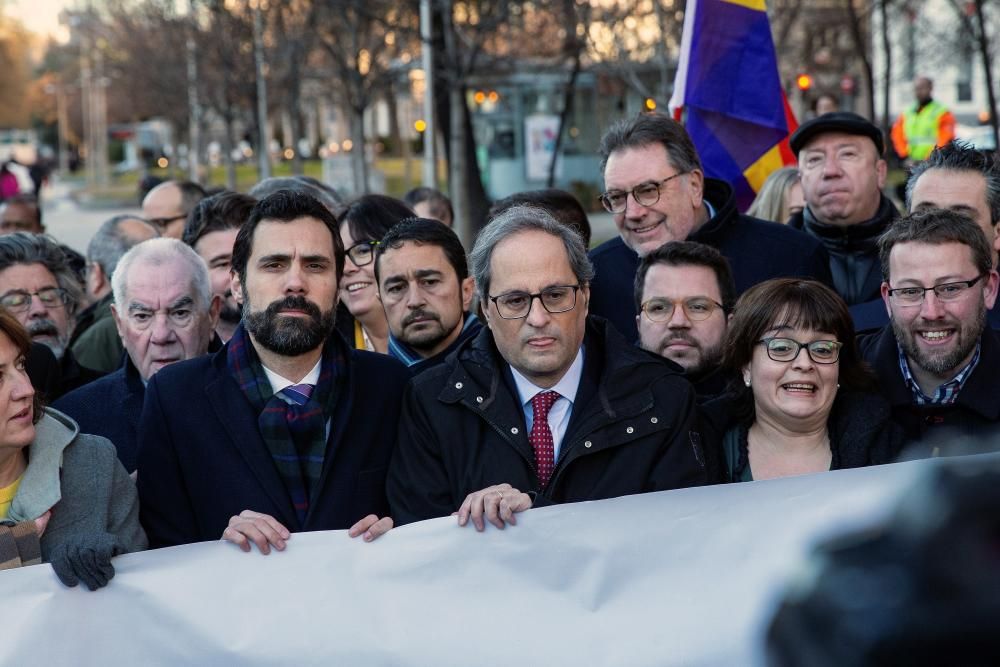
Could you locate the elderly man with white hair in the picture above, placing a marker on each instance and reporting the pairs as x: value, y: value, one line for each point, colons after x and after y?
x: 165, y: 312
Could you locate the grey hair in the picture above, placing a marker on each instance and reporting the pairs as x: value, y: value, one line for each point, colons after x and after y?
x: 27, y: 248
x: 158, y: 252
x: 109, y: 244
x: 515, y: 220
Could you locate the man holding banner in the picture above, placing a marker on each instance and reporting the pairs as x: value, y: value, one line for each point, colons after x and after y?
x: 285, y: 429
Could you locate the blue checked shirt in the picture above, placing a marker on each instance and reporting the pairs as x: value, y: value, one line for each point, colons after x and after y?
x: 947, y: 393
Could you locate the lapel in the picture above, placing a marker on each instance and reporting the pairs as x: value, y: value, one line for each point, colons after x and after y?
x: 237, y: 417
x: 339, y: 417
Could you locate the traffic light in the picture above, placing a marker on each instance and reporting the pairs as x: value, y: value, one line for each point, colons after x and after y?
x: 804, y: 81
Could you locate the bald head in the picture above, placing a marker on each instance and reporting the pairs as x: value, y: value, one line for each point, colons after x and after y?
x: 168, y: 204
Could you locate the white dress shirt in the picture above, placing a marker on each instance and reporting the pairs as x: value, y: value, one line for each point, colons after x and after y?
x: 561, y: 410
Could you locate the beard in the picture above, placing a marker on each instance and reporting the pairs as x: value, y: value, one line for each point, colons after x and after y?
x: 708, y: 358
x: 430, y: 337
x: 231, y: 312
x: 944, y: 362
x: 47, y: 328
x: 289, y: 335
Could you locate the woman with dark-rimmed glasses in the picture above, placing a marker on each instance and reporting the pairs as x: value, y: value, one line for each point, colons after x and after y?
x: 802, y: 401
x: 362, y: 226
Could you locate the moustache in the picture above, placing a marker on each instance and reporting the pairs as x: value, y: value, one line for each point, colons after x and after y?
x: 42, y: 327
x: 680, y: 336
x: 294, y: 302
x: 420, y: 314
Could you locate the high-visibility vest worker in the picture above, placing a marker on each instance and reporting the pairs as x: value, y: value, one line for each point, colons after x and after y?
x: 925, y: 125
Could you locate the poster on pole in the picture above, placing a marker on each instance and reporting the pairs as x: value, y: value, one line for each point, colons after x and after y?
x: 540, y: 132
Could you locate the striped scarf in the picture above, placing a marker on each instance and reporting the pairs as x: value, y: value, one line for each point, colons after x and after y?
x: 295, y: 435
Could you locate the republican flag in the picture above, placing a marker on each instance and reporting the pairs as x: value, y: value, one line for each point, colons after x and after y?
x: 728, y: 94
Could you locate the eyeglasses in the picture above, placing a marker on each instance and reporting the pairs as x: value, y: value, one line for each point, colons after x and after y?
x: 646, y: 194
x: 363, y: 252
x: 696, y: 309
x: 787, y: 349
x: 19, y: 301
x: 161, y: 223
x: 555, y: 299
x: 913, y: 296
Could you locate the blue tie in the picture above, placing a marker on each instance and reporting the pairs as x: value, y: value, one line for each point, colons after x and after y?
x: 298, y: 393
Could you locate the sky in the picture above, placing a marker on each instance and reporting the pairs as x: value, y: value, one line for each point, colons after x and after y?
x: 39, y: 16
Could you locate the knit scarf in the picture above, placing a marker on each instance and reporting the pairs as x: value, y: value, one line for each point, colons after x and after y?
x: 294, y: 435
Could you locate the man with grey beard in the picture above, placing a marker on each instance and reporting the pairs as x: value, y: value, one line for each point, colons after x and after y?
x: 38, y: 286
x: 937, y: 361
x: 286, y: 428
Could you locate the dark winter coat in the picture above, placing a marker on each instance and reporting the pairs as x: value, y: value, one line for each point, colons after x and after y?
x: 970, y: 424
x: 463, y: 429
x: 860, y: 428
x: 202, y: 459
x: 757, y: 250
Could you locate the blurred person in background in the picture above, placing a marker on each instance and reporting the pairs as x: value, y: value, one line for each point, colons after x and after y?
x: 563, y: 206
x: 167, y: 206
x: 211, y: 230
x: 780, y: 197
x: 430, y: 203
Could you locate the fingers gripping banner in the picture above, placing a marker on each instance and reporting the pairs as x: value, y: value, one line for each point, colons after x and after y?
x: 680, y: 577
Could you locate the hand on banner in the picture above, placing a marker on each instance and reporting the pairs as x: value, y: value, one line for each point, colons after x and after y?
x: 498, y: 503
x: 263, y: 530
x: 371, y: 527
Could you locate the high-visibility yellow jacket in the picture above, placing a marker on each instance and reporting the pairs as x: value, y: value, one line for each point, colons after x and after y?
x: 918, y: 130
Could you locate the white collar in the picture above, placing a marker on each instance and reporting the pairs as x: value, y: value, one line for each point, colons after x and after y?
x: 279, y: 382
x: 566, y: 387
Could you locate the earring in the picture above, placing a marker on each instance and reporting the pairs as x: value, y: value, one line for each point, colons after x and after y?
x: 838, y: 385
x: 746, y: 380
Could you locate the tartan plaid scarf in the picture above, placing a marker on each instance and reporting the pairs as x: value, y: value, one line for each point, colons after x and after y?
x: 295, y: 435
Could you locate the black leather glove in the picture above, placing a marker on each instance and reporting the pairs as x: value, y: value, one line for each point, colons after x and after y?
x: 86, y: 558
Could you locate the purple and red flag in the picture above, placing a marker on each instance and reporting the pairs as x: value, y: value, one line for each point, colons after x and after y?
x: 729, y: 96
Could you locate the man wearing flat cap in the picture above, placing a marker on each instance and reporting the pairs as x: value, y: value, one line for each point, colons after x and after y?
x: 840, y: 159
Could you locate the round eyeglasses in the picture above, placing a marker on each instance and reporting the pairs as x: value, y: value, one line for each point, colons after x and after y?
x: 645, y: 194
x: 787, y: 349
x: 659, y: 309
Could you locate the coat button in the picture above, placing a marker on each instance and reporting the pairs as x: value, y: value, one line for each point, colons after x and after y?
x: 514, y: 430
x: 588, y: 444
x: 479, y: 399
x: 458, y: 385
x: 630, y: 430
x: 653, y: 420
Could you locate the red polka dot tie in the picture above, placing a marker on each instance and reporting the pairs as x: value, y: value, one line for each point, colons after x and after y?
x: 541, y: 435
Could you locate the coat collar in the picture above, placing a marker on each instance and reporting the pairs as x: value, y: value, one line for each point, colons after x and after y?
x: 40, y: 487
x: 978, y: 394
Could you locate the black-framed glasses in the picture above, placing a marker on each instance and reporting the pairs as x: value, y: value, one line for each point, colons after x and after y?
x: 555, y: 299
x: 161, y: 223
x: 787, y: 349
x: 18, y: 301
x: 661, y: 309
x: 362, y: 252
x: 913, y: 296
x: 646, y: 194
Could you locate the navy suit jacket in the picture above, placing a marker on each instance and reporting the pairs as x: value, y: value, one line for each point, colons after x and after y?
x: 202, y: 459
x: 110, y: 407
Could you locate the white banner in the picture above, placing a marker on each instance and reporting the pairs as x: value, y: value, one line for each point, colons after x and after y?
x: 683, y: 577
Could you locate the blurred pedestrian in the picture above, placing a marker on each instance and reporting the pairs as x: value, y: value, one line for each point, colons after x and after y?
x: 780, y: 197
